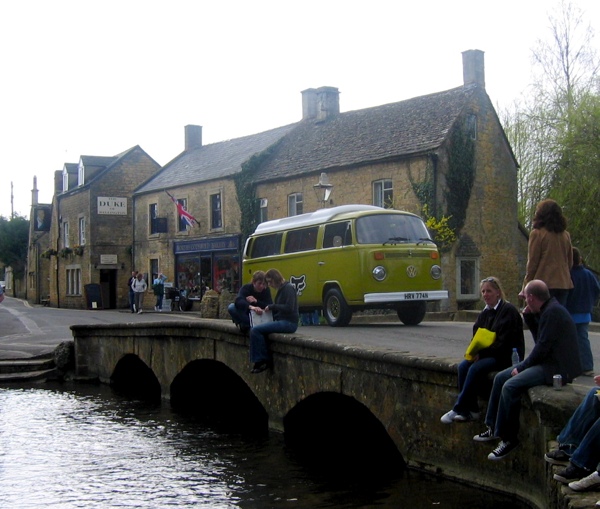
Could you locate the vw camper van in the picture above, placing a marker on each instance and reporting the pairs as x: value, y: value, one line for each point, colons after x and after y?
x: 350, y: 258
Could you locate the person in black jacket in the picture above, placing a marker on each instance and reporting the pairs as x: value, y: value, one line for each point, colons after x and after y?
x: 285, y: 319
x: 504, y: 319
x: 555, y: 353
x: 251, y: 296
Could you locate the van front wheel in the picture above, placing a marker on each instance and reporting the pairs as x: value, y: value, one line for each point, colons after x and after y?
x: 412, y: 313
x: 337, y: 312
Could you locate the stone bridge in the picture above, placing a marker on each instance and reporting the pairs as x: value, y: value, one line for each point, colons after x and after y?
x: 377, y: 405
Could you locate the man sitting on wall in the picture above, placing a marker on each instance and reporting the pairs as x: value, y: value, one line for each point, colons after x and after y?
x: 251, y: 295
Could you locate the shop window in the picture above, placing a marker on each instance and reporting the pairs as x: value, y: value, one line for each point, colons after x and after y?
x: 467, y: 280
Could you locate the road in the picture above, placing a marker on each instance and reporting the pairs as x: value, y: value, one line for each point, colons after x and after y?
x: 34, y: 330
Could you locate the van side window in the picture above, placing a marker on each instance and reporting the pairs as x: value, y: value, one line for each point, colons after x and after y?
x: 337, y: 234
x: 301, y: 240
x: 266, y: 245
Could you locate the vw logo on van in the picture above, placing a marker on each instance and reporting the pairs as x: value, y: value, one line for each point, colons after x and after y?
x: 411, y: 271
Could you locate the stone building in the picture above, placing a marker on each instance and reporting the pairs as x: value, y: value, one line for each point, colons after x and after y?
x: 444, y: 156
x: 85, y: 259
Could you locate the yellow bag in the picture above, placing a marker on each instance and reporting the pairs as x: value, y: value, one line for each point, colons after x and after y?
x: 482, y: 339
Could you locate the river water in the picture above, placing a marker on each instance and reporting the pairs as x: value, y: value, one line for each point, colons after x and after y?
x: 64, y: 446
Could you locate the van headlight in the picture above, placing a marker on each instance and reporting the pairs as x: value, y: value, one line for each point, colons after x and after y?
x: 379, y: 273
x: 436, y: 272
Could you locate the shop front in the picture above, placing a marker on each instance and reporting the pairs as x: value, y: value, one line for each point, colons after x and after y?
x: 206, y: 264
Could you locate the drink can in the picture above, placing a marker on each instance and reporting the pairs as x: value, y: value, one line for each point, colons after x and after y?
x: 557, y: 382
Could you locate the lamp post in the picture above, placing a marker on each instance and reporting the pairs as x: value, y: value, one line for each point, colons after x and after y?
x: 323, y: 189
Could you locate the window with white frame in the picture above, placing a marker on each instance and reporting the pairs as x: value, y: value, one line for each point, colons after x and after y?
x: 74, y: 281
x: 263, y: 210
x: 467, y: 280
x: 383, y: 193
x: 80, y: 174
x: 216, y: 212
x: 66, y: 242
x: 471, y: 125
x: 82, y: 231
x: 295, y: 204
x: 65, y: 179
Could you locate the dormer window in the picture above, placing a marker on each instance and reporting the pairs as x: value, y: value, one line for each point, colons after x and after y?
x: 80, y: 174
x: 65, y: 177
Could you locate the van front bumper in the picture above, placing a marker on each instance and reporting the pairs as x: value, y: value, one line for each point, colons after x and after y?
x: 371, y: 298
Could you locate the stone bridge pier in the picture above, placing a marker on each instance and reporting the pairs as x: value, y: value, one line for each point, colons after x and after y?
x: 330, y: 399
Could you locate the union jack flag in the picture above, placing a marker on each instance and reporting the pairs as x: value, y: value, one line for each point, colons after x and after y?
x: 183, y: 214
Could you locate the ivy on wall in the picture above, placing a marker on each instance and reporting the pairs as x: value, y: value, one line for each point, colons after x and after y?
x: 445, y: 226
x: 245, y: 186
x: 460, y: 176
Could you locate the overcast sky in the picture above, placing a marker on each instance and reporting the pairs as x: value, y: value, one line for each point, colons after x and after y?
x: 99, y: 77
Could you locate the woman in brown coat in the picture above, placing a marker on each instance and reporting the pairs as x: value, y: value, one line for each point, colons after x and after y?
x: 550, y: 254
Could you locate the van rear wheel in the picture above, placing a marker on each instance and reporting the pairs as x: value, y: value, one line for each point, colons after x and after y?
x: 412, y: 313
x: 336, y: 311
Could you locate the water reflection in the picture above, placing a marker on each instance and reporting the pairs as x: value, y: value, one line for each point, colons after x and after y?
x: 82, y: 447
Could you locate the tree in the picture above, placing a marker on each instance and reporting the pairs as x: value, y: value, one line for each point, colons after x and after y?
x: 540, y: 130
x: 14, y: 237
x: 577, y: 182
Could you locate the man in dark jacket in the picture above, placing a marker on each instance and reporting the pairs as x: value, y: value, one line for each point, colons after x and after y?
x: 555, y: 353
x: 254, y: 294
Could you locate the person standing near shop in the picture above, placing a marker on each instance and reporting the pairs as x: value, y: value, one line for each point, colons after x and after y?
x: 131, y: 292
x: 158, y: 287
x: 139, y: 286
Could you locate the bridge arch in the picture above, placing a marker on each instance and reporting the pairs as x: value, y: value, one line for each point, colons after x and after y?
x: 132, y: 377
x: 337, y: 433
x: 213, y: 391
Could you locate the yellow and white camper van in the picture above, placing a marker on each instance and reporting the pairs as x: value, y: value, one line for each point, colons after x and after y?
x: 350, y: 258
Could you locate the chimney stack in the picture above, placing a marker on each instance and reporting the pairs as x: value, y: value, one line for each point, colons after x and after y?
x: 320, y: 103
x: 193, y: 137
x: 34, y: 192
x: 473, y: 68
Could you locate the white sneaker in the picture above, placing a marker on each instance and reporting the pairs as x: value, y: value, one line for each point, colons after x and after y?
x: 589, y: 483
x: 473, y: 416
x: 140, y: 312
x: 448, y: 417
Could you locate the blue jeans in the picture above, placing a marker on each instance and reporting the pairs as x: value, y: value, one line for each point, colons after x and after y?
x: 581, y: 436
x: 585, y: 351
x: 131, y: 300
x: 258, y: 341
x: 471, y: 375
x: 159, y: 301
x: 239, y: 317
x: 504, y: 406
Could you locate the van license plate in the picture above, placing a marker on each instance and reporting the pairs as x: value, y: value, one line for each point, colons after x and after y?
x: 416, y: 296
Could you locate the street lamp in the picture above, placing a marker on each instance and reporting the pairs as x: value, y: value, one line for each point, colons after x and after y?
x: 323, y: 189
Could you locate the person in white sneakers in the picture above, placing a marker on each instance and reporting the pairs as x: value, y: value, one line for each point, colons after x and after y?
x: 579, y: 441
x: 589, y: 483
x: 555, y: 352
x: 504, y: 319
x: 139, y: 286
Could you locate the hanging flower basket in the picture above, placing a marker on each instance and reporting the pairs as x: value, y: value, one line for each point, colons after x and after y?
x: 78, y: 250
x: 65, y: 251
x: 48, y: 253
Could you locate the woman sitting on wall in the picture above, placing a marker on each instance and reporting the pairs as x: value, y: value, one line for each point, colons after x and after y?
x: 505, y: 320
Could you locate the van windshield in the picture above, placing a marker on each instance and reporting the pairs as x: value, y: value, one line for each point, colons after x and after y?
x: 390, y: 228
